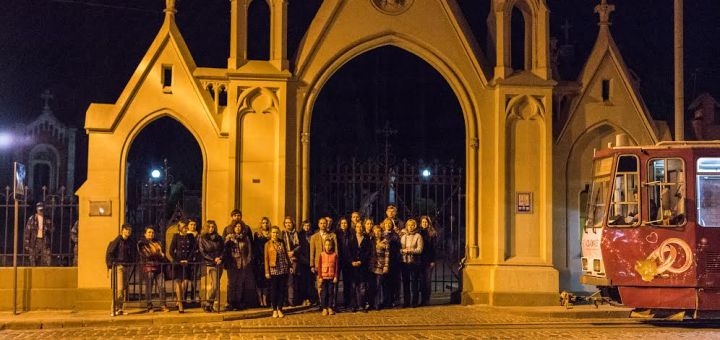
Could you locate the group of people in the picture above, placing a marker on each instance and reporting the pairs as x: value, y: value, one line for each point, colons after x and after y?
x: 381, y: 265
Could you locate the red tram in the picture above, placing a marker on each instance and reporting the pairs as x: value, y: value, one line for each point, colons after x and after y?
x: 651, y: 238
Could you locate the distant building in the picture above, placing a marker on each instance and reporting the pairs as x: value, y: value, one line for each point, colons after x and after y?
x: 703, y: 121
x: 47, y: 147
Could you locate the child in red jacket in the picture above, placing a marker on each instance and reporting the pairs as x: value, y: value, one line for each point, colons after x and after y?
x: 328, y: 277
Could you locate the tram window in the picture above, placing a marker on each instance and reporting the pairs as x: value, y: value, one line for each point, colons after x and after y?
x: 624, y: 202
x: 708, y: 192
x: 666, y: 191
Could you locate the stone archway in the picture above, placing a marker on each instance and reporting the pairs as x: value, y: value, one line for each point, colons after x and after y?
x: 577, y: 174
x: 490, y: 276
x: 137, y: 130
x: 436, y: 62
x: 178, y: 181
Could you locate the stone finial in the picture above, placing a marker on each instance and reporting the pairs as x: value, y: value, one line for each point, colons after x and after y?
x: 604, y: 10
x: 170, y: 7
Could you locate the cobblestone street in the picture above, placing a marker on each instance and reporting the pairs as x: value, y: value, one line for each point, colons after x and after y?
x: 438, y: 322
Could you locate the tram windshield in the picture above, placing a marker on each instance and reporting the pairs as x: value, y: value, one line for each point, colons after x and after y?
x: 600, y: 190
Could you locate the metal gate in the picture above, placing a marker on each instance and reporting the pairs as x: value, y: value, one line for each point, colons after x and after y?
x: 433, y: 189
x: 61, y: 208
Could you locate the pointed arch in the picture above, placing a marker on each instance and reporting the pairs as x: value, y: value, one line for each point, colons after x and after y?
x: 452, y: 75
x: 577, y: 170
x: 136, y: 129
x: 536, y: 36
x: 259, y: 26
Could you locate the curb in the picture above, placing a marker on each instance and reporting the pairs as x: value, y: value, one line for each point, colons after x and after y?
x: 59, y: 319
x: 575, y: 312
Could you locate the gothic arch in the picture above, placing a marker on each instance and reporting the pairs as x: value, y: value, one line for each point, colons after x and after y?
x: 578, y: 165
x: 524, y: 130
x: 448, y: 71
x: 132, y: 134
x: 259, y: 45
x: 536, y: 36
x: 459, y: 82
x: 44, y: 154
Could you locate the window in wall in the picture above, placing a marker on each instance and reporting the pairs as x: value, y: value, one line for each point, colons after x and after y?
x: 222, y: 98
x: 167, y: 75
x: 606, y: 90
x: 624, y: 202
x: 708, y: 191
x: 666, y: 191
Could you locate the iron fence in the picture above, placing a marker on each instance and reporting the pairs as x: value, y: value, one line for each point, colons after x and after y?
x: 129, y: 283
x: 433, y: 189
x: 61, y: 208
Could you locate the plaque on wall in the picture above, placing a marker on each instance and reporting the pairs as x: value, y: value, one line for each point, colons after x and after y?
x: 100, y: 208
x: 524, y: 203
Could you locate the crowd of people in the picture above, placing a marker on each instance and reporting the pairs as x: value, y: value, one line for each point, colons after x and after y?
x: 380, y: 265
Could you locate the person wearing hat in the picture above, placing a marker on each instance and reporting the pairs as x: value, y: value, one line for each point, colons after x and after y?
x: 37, y: 237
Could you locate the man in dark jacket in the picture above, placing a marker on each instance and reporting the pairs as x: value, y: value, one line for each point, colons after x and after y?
x: 120, y: 254
x: 212, y: 249
x: 37, y: 237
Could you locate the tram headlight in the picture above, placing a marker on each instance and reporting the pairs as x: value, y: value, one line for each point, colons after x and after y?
x: 584, y: 264
x: 596, y: 265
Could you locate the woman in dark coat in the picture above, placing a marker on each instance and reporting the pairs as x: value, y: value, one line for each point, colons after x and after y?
x: 183, y: 249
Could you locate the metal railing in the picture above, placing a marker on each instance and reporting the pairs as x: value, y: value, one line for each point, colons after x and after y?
x: 129, y: 286
x: 60, y: 207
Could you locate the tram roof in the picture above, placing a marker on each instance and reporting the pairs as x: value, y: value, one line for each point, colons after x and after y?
x: 674, y: 145
x: 665, y: 145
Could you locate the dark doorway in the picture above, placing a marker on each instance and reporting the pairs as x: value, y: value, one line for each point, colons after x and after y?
x: 164, y: 175
x: 388, y: 129
x: 41, y: 178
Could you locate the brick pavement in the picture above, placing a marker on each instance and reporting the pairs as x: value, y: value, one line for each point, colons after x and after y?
x: 440, y: 315
x: 437, y: 322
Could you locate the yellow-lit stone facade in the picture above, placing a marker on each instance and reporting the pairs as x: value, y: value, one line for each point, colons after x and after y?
x: 256, y: 149
x: 607, y: 104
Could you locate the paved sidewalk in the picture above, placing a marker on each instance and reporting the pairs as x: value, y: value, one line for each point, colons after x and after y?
x: 436, y: 314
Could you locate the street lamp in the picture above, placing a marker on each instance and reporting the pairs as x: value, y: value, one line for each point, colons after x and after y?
x: 6, y: 140
x: 155, y: 174
x: 426, y: 173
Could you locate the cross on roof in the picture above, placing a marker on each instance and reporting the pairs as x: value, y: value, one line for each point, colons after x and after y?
x: 386, y: 131
x: 566, y: 29
x: 46, y: 96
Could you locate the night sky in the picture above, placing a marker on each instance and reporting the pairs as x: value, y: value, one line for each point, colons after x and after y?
x: 85, y: 51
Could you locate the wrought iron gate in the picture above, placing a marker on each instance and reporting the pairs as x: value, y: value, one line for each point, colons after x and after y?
x: 432, y: 189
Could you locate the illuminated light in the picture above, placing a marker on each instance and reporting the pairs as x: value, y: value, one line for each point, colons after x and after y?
x: 6, y: 140
x: 155, y: 174
x: 584, y: 263
x: 426, y: 173
x: 596, y: 265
